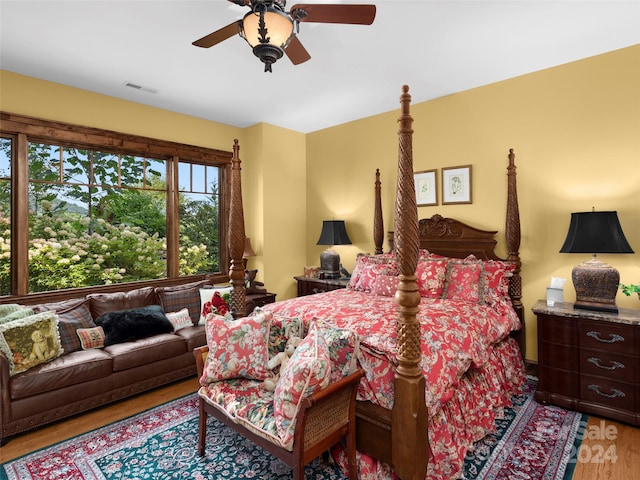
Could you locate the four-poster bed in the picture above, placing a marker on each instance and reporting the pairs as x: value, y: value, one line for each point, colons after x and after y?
x: 402, y: 427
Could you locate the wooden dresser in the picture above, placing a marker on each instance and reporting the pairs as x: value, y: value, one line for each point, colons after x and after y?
x: 309, y: 286
x: 589, y: 361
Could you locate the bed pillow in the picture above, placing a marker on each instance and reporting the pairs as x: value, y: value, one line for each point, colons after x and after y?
x: 237, y: 348
x: 495, y: 279
x: 30, y: 341
x: 132, y: 324
x: 91, y: 337
x: 463, y: 281
x: 363, y: 261
x: 209, y: 304
x: 177, y: 297
x: 430, y: 276
x: 385, y: 285
x: 308, y: 370
x: 72, y: 315
x: 180, y: 319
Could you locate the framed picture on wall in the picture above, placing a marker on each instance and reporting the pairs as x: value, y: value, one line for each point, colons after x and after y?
x: 456, y: 185
x: 426, y: 189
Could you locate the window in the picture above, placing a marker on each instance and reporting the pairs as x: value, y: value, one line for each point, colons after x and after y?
x: 98, y: 215
x: 5, y: 215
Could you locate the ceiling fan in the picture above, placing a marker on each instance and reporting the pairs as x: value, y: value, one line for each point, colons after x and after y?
x: 271, y: 31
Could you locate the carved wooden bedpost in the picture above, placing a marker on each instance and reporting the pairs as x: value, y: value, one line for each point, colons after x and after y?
x: 513, y: 245
x: 236, y: 237
x: 410, y: 451
x: 378, y: 225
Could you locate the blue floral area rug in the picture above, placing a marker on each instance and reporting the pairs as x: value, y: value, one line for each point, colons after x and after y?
x: 161, y: 444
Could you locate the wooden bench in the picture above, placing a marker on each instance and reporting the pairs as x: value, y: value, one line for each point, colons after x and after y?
x: 325, y: 418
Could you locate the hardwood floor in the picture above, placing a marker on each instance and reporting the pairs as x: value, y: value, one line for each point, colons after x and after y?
x: 610, y: 450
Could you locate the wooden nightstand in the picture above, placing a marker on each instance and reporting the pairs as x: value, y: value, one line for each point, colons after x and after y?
x: 258, y: 300
x: 589, y: 361
x: 309, y: 286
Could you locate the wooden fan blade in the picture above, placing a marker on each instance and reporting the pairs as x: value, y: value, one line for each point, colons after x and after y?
x: 218, y: 36
x: 296, y: 51
x: 334, y: 13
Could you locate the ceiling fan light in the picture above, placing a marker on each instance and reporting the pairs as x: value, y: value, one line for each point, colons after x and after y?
x: 278, y: 28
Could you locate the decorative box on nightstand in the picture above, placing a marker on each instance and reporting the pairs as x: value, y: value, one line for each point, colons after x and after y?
x: 309, y: 286
x: 589, y: 361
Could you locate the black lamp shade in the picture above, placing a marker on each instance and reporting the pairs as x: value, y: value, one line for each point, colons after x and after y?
x: 333, y: 233
x: 595, y: 232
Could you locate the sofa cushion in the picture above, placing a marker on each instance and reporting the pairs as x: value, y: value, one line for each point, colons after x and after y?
x: 230, y: 395
x: 194, y: 336
x: 74, y: 368
x: 128, y: 325
x: 30, y: 341
x: 237, y: 348
x: 72, y: 315
x: 308, y: 370
x: 101, y: 303
x: 175, y: 298
x: 146, y: 350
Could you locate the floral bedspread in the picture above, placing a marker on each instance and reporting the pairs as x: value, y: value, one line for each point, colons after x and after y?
x: 455, y: 336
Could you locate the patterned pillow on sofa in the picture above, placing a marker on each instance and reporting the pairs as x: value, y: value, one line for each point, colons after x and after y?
x: 30, y: 341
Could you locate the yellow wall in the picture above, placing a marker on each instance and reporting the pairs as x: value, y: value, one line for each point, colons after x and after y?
x: 575, y: 130
x: 576, y: 134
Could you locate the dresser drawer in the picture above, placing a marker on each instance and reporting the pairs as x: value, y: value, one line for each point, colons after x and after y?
x: 613, y: 394
x: 556, y: 330
x: 559, y: 357
x: 609, y: 364
x: 613, y: 337
x: 559, y: 382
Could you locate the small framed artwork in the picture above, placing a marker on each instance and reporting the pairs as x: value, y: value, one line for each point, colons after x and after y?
x: 425, y: 185
x: 456, y: 185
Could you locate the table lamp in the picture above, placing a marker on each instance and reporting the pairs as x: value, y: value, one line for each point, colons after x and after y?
x: 595, y: 282
x: 333, y: 233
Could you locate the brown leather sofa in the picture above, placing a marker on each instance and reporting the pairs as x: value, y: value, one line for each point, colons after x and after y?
x: 81, y: 380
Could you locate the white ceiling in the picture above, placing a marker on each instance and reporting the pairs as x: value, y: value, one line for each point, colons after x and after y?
x: 436, y: 47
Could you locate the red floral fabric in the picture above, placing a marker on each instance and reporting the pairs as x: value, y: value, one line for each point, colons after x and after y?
x: 237, y: 348
x: 463, y: 282
x: 430, y: 276
x: 456, y: 336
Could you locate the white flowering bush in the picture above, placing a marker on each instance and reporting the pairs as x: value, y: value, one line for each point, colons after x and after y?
x: 68, y: 251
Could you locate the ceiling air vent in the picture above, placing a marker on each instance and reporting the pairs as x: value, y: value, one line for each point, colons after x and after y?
x: 135, y: 86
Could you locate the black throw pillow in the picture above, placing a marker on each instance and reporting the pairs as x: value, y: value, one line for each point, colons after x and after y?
x: 128, y: 325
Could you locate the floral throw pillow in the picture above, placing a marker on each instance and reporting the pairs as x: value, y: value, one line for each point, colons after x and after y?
x: 281, y: 328
x: 463, y: 282
x: 385, y: 285
x: 308, y: 370
x: 430, y: 276
x: 237, y: 348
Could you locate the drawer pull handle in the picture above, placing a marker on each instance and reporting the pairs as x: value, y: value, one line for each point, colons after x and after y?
x: 616, y: 392
x: 596, y: 362
x: 614, y: 337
